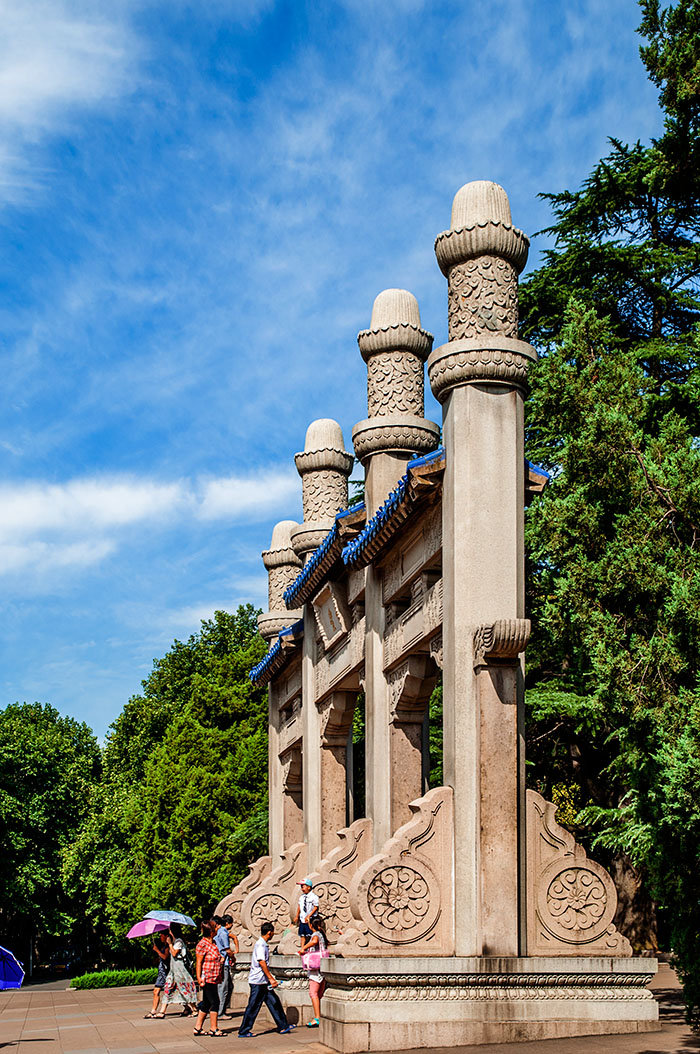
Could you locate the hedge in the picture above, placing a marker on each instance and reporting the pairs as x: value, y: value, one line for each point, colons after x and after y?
x: 114, y: 978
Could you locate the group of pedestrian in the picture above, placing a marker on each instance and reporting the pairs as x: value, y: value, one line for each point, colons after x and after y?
x: 215, y: 959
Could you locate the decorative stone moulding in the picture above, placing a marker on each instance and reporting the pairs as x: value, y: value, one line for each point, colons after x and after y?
x: 487, y: 360
x: 401, y: 899
x: 395, y: 349
x: 571, y: 900
x: 395, y: 434
x: 481, y: 224
x: 332, y: 614
x: 481, y: 255
x: 274, y: 899
x: 324, y: 466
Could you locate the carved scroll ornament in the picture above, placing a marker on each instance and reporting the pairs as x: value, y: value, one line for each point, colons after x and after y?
x: 402, y: 897
x: 501, y: 642
x: 571, y: 900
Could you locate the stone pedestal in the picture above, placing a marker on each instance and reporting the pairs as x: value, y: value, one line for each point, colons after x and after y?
x: 406, y: 1003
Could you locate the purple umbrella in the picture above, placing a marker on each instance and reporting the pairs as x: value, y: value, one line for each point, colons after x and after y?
x: 146, y: 926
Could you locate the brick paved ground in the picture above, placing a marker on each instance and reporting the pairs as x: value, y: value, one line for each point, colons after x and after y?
x: 47, y: 1019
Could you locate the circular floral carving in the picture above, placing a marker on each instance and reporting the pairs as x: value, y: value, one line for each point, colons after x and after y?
x: 576, y: 899
x: 398, y: 898
x: 269, y: 908
x: 334, y: 903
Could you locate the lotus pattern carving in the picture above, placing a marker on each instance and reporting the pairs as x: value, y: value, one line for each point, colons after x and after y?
x: 398, y: 898
x: 394, y: 384
x: 576, y: 898
x: 334, y: 904
x: 483, y: 298
x: 272, y: 907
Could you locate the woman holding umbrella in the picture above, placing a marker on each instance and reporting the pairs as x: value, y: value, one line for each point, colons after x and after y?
x: 179, y: 985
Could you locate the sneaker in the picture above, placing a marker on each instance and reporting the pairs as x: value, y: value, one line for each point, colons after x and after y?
x: 245, y: 1035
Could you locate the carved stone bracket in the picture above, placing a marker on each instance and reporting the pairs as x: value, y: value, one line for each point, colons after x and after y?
x: 336, y: 712
x: 401, y: 899
x: 291, y: 770
x: 274, y: 899
x: 436, y: 649
x: 233, y: 902
x: 332, y: 880
x: 410, y: 687
x: 571, y: 900
x: 502, y: 642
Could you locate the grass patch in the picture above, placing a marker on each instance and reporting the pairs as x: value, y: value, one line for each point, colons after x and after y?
x: 114, y: 978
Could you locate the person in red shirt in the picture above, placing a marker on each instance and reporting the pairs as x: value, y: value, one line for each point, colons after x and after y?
x: 209, y: 974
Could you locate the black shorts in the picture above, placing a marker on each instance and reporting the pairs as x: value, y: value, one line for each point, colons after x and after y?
x: 210, y: 998
x: 304, y: 929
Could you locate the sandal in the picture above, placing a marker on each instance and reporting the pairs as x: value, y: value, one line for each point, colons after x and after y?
x: 216, y: 1032
x: 150, y: 1015
x: 313, y: 1024
x: 197, y: 1031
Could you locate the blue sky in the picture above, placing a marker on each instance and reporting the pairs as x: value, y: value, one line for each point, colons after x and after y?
x: 199, y: 203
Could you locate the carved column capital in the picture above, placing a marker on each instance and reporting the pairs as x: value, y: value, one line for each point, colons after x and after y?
x: 324, y: 466
x: 501, y: 643
x: 481, y: 256
x: 394, y: 348
x: 283, y: 566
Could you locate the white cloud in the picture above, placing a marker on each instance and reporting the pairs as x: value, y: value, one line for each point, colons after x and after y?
x: 56, y: 59
x: 78, y: 523
x: 238, y: 498
x: 42, y: 557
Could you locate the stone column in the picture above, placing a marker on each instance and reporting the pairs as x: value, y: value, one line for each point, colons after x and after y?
x: 395, y: 349
x: 283, y: 565
x: 480, y: 377
x: 324, y: 467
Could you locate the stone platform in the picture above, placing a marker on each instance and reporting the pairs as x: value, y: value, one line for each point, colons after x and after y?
x: 378, y: 1004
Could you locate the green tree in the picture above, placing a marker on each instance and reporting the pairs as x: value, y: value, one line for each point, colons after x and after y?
x: 182, y: 809
x: 48, y: 767
x: 614, y: 583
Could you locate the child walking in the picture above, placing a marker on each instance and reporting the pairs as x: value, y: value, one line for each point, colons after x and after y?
x: 313, y: 949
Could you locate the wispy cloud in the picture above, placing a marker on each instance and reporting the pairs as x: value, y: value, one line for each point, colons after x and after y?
x: 57, y: 59
x: 78, y: 523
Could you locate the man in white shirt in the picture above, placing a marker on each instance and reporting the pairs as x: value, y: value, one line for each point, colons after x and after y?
x: 308, y: 904
x: 262, y: 987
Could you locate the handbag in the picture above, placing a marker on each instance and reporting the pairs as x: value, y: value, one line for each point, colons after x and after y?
x: 312, y: 960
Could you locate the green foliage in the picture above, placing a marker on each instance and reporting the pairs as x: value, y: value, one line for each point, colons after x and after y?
x: 614, y: 541
x: 114, y: 979
x: 49, y: 766
x: 182, y: 808
x: 435, y: 734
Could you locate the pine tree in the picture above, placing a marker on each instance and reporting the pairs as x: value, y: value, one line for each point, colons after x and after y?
x: 613, y: 543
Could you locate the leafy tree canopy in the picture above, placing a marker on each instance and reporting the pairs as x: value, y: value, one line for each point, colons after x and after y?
x: 48, y: 767
x: 182, y: 808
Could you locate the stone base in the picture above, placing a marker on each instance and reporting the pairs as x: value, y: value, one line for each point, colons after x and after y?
x: 401, y: 1004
